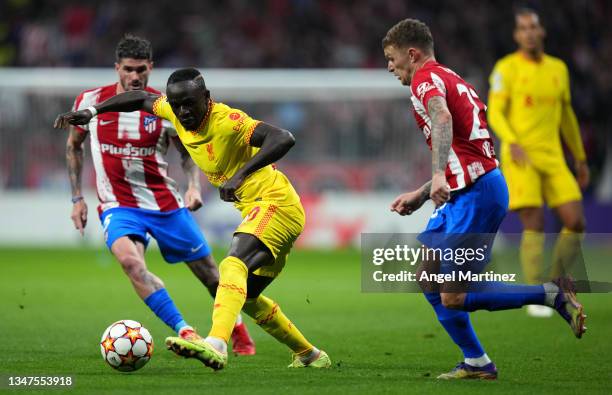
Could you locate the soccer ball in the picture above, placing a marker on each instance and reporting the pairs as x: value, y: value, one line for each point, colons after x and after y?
x: 126, y: 345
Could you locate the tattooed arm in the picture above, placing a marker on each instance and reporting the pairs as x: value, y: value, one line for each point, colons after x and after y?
x: 74, y: 161
x: 441, y: 140
x: 409, y: 202
x: 425, y: 190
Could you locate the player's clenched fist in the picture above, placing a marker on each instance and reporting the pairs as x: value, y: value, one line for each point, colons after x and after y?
x: 193, y: 199
x: 228, y: 190
x: 440, y: 192
x: 81, y: 117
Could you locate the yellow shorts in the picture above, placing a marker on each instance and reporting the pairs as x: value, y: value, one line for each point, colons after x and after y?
x: 277, y: 227
x: 531, y: 185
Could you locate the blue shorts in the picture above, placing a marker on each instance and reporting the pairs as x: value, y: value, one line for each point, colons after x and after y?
x: 176, y: 232
x: 469, y: 220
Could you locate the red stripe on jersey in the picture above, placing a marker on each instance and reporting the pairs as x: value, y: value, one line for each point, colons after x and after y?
x: 108, y: 127
x: 78, y: 101
x: 154, y: 179
x: 77, y: 104
x: 128, y: 152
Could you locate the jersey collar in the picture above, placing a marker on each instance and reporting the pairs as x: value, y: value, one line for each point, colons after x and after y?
x: 211, y: 104
x: 532, y: 61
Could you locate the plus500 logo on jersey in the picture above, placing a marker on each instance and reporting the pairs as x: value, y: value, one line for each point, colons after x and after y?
x: 128, y: 150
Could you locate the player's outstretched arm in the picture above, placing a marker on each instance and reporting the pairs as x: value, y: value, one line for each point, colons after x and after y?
x: 441, y: 140
x: 123, y: 102
x: 273, y: 142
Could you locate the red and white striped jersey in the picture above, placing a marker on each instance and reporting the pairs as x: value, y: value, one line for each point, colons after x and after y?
x: 128, y: 151
x: 472, y: 153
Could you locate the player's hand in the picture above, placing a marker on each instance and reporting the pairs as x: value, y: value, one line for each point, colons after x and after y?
x: 79, y: 216
x: 228, y: 190
x: 81, y: 117
x: 518, y: 154
x: 407, y: 203
x: 583, y: 174
x: 193, y: 199
x: 440, y: 192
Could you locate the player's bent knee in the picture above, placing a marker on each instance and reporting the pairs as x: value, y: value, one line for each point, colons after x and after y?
x: 532, y: 218
x: 453, y: 300
x: 132, y: 264
x: 206, y: 271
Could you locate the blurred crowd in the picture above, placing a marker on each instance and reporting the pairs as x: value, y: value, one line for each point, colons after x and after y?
x: 470, y: 35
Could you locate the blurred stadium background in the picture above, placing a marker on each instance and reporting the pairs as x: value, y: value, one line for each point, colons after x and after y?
x: 313, y: 67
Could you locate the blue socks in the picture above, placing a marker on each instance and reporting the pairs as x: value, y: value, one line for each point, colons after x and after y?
x: 163, y: 307
x: 490, y: 296
x: 458, y: 326
x: 496, y: 295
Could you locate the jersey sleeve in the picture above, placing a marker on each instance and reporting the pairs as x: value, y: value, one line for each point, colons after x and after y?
x: 570, y: 129
x: 499, y: 97
x: 162, y: 108
x: 81, y: 104
x: 566, y: 95
x: 500, y: 80
x: 243, y: 125
x: 427, y: 85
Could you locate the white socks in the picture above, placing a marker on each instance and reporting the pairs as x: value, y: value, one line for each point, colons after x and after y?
x: 552, y: 291
x: 311, y: 356
x: 478, y: 362
x: 219, y: 344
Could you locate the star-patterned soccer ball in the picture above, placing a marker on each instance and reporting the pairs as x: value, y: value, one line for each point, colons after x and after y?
x: 126, y: 345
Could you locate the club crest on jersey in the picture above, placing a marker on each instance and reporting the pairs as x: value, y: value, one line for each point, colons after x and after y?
x: 150, y: 123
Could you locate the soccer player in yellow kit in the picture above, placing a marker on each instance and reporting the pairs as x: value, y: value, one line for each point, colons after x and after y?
x: 529, y: 109
x: 236, y: 153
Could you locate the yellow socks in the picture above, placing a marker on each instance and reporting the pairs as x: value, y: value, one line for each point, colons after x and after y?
x: 566, y: 253
x: 230, y: 299
x: 531, y: 253
x: 231, y: 295
x: 270, y: 318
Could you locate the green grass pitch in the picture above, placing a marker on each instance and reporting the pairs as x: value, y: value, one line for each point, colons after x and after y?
x: 56, y: 303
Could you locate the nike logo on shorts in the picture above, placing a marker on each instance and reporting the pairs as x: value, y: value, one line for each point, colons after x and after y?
x: 195, y: 249
x: 103, y: 122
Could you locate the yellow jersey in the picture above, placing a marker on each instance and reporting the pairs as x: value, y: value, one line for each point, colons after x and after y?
x: 530, y: 104
x: 221, y: 146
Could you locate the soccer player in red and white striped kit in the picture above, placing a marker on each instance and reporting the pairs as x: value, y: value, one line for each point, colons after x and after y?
x: 137, y: 197
x: 471, y: 199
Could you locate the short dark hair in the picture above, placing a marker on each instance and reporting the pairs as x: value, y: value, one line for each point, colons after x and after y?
x: 187, y: 74
x: 409, y: 32
x: 134, y: 47
x: 525, y: 11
